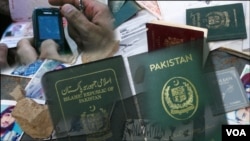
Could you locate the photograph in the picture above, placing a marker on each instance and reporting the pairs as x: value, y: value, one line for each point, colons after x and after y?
x: 10, y: 129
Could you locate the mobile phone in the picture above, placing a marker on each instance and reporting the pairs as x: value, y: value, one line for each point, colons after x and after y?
x: 48, y: 24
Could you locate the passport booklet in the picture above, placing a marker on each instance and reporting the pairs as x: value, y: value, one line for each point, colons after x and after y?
x: 81, y: 98
x: 224, y: 22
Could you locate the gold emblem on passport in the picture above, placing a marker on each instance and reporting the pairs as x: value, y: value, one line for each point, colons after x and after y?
x: 95, y: 121
x: 217, y: 20
x: 179, y: 98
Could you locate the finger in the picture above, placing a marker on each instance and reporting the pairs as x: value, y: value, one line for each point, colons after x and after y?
x: 75, y: 18
x: 26, y: 42
x: 61, y: 2
x: 74, y: 34
x: 24, y: 47
x: 75, y: 3
x: 98, y: 13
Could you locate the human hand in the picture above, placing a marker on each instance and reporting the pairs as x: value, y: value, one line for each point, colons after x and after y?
x: 48, y: 50
x: 26, y: 53
x: 92, y: 29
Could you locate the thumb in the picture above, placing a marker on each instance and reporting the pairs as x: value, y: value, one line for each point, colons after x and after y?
x: 74, y: 17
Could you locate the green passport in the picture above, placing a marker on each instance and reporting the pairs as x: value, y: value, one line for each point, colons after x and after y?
x: 224, y: 22
x: 126, y: 11
x: 171, y: 80
x: 81, y: 98
x: 173, y: 91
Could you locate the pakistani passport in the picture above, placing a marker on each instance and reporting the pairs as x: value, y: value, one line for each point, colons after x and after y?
x: 172, y: 93
x: 224, y: 22
x: 81, y: 98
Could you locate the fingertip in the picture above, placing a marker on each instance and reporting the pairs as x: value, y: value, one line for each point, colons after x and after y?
x: 3, y: 45
x: 54, y: 2
x: 66, y: 9
x: 60, y: 2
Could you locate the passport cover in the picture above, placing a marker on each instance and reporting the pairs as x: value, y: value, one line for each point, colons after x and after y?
x: 173, y: 91
x: 81, y: 98
x: 163, y: 34
x: 160, y: 65
x: 224, y: 22
x: 227, y: 90
x: 128, y: 10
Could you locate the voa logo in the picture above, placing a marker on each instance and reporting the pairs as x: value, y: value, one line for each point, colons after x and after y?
x: 236, y: 132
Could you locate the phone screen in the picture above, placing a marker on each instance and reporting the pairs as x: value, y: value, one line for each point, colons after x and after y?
x: 48, y: 27
x: 47, y: 24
